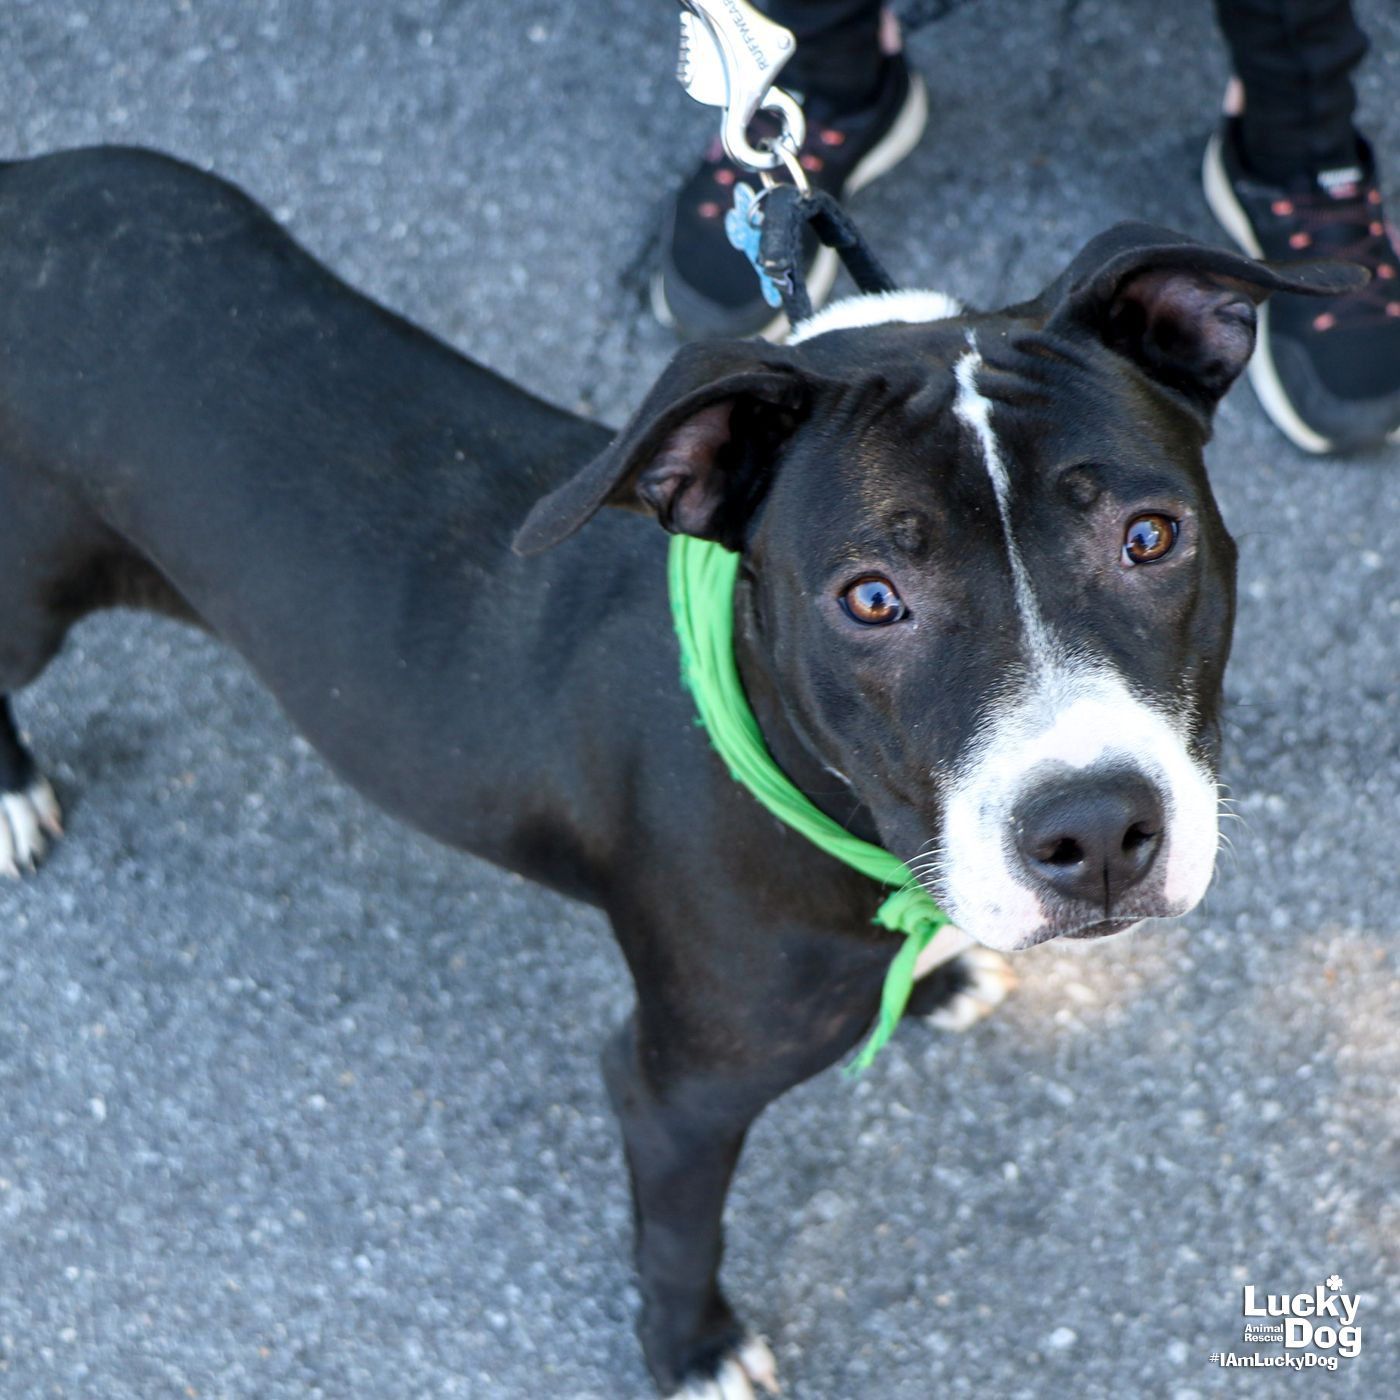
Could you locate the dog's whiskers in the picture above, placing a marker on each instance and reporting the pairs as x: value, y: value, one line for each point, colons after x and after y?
x: 1225, y: 810
x: 925, y: 869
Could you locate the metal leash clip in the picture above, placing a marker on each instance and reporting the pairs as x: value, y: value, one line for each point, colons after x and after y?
x: 730, y: 57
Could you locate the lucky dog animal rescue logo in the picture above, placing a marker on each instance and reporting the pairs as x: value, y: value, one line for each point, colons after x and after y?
x: 1315, y: 1329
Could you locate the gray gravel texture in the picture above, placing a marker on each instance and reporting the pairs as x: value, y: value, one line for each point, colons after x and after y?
x: 294, y: 1103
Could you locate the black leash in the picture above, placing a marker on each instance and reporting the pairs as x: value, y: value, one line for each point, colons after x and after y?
x: 786, y: 213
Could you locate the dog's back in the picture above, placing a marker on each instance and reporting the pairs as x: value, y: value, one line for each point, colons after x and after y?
x: 199, y: 418
x: 149, y: 310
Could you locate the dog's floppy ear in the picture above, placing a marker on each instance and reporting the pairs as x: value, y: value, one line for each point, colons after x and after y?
x: 694, y: 455
x: 1182, y: 310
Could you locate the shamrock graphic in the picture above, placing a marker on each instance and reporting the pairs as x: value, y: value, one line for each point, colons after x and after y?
x: 1335, y: 1282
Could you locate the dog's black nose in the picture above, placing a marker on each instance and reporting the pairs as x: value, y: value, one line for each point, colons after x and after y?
x: 1092, y: 836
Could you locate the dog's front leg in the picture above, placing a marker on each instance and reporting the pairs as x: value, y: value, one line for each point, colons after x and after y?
x: 682, y: 1141
x: 686, y: 1083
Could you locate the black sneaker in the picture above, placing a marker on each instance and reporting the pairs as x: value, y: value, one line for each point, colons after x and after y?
x: 1326, y: 371
x: 705, y: 286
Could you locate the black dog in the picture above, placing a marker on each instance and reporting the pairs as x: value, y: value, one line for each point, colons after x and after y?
x: 982, y: 617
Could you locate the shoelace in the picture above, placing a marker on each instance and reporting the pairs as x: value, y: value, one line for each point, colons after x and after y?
x: 1321, y: 217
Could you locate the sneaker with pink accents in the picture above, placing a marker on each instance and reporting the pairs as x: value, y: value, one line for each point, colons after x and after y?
x: 705, y: 287
x: 1326, y: 372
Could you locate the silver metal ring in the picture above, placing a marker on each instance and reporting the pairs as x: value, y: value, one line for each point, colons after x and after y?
x: 792, y: 162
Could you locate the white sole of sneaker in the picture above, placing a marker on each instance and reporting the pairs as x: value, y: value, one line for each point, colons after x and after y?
x: 1263, y: 376
x: 879, y: 160
x: 898, y: 141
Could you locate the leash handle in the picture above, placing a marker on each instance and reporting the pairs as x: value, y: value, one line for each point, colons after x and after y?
x: 786, y: 212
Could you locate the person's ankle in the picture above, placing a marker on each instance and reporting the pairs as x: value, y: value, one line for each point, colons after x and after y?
x: 876, y: 53
x: 826, y: 105
x: 1262, y: 157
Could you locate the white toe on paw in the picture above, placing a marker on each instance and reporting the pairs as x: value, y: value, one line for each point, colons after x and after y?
x: 750, y: 1364
x: 27, y: 820
x: 756, y: 1357
x: 990, y: 978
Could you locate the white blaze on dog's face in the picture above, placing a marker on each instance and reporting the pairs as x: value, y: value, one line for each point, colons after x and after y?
x: 1064, y: 718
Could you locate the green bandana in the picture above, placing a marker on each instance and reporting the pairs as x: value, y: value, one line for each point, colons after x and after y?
x: 702, y: 578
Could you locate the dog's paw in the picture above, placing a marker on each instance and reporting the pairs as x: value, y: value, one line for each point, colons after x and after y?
x: 984, y: 978
x: 748, y: 1365
x: 28, y: 821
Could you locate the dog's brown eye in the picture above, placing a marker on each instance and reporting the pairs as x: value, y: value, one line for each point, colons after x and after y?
x: 873, y: 601
x: 1148, y: 538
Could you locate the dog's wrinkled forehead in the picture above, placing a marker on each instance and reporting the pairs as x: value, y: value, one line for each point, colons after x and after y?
x: 1067, y: 392
x: 941, y: 423
x: 898, y: 458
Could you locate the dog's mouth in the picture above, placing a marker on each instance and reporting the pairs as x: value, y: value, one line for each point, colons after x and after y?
x: 1101, y: 928
x: 1046, y: 925
x: 1082, y: 932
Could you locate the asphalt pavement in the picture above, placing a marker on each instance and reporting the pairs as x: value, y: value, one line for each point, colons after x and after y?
x: 294, y: 1103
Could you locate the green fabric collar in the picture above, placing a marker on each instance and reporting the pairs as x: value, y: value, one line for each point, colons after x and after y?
x: 702, y: 576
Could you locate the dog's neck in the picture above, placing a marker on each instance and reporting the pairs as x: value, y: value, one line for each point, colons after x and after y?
x: 790, y: 749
